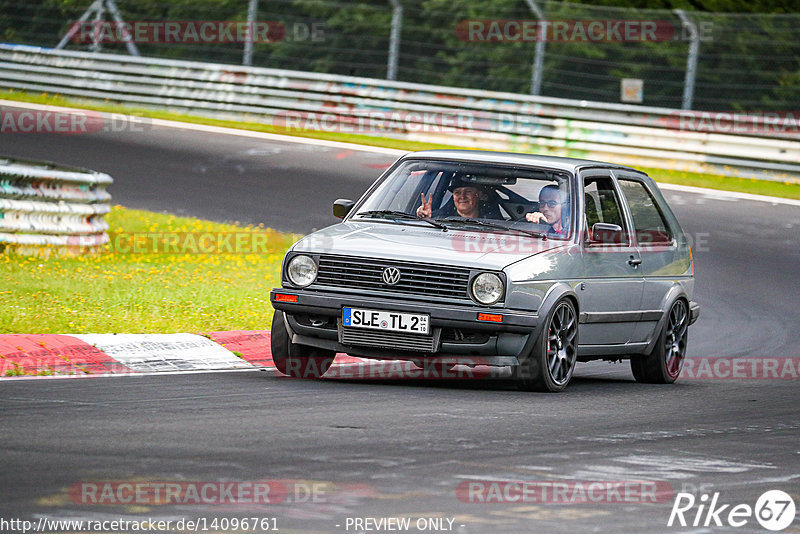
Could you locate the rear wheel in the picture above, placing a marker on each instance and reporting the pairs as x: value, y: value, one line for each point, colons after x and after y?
x: 291, y: 359
x: 550, y: 364
x: 664, y: 363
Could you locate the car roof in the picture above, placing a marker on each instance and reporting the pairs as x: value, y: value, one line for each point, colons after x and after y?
x: 514, y: 158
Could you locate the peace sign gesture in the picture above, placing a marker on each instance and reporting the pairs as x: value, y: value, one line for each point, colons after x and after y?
x: 426, y: 210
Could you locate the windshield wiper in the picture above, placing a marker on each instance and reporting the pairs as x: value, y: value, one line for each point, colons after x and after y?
x: 401, y: 215
x: 496, y: 226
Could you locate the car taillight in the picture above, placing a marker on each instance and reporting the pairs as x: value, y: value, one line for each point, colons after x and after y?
x: 691, y: 260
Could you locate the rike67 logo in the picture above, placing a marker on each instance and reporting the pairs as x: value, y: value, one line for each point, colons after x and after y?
x: 774, y: 510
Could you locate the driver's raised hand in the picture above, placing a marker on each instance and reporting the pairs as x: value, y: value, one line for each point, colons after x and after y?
x: 536, y: 217
x: 426, y: 210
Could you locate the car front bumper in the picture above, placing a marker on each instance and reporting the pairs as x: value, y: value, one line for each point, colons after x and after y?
x: 694, y: 312
x: 458, y: 335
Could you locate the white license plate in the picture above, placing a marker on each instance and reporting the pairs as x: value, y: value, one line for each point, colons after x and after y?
x: 385, y: 320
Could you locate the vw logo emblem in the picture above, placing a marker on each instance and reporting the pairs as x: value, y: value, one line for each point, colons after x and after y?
x: 390, y: 276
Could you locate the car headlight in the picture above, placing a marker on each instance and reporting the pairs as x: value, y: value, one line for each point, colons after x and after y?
x: 302, y: 270
x: 487, y: 288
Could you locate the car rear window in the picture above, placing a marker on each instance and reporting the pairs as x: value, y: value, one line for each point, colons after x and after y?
x: 651, y: 227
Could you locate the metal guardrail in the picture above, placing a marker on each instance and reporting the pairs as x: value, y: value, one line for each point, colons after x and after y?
x: 637, y: 135
x: 46, y: 205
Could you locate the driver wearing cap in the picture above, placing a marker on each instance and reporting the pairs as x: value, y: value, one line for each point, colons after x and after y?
x: 469, y: 200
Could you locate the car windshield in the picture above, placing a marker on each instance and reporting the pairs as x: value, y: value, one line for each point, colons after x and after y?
x: 536, y: 201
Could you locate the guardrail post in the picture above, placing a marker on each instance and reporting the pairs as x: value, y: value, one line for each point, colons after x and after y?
x: 252, y: 13
x: 538, y: 60
x: 394, y: 39
x: 691, y: 60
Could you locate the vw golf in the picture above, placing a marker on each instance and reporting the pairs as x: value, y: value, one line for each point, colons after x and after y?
x: 457, y: 257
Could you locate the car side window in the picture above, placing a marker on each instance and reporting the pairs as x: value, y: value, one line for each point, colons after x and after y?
x: 651, y: 227
x: 601, y: 201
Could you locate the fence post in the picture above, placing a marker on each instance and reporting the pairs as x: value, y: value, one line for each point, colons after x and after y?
x: 538, y: 59
x: 691, y: 60
x: 252, y: 13
x: 97, y: 7
x: 129, y: 44
x: 394, y: 39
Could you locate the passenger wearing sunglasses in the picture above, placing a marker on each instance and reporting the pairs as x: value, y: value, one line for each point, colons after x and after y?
x: 551, y: 199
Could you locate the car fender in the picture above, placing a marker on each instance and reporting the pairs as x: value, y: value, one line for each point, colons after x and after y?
x: 675, y: 292
x: 556, y: 292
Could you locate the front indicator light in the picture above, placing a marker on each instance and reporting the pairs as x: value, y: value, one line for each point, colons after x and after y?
x: 282, y: 297
x: 493, y: 317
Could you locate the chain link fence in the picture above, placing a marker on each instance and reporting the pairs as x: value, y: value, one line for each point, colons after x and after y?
x: 693, y: 60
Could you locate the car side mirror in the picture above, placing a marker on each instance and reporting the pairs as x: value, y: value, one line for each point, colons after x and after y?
x: 604, y: 233
x: 341, y: 207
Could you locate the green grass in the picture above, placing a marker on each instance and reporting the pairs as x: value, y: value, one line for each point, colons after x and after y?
x: 711, y: 181
x: 726, y: 183
x: 150, y: 291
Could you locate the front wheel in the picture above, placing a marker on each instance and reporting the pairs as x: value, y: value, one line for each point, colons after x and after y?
x: 550, y: 364
x: 297, y: 361
x: 664, y: 363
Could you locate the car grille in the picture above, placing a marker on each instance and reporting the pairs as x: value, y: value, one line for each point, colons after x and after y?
x: 415, y: 278
x: 389, y: 340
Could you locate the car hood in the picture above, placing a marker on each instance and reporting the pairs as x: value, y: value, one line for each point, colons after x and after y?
x: 419, y: 243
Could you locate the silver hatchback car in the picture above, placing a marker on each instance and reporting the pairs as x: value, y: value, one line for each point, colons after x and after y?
x: 456, y: 257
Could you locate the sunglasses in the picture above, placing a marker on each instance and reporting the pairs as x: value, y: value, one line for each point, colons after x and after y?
x: 550, y: 203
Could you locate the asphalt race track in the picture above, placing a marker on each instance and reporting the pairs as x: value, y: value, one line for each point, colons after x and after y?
x: 350, y: 449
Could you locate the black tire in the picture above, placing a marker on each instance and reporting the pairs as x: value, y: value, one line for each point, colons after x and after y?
x: 297, y: 361
x: 551, y: 362
x: 664, y: 363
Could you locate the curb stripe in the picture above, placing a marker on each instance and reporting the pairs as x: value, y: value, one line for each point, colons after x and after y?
x: 85, y: 355
x: 165, y: 352
x: 31, y: 354
x: 252, y: 346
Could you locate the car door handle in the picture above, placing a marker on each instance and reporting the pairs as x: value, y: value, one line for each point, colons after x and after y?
x: 634, y: 261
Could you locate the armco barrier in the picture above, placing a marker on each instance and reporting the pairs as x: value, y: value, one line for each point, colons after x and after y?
x: 621, y: 133
x: 44, y: 204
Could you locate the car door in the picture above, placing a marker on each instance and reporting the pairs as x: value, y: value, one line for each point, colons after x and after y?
x: 611, y: 291
x: 657, y: 235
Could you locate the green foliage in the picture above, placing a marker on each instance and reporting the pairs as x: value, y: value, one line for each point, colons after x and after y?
x: 747, y: 62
